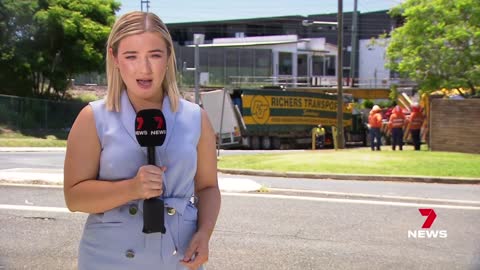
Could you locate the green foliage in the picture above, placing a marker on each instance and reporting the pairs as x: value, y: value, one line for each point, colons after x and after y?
x: 393, y: 95
x: 48, y: 41
x: 439, y: 44
x: 386, y: 104
x: 367, y: 104
x: 85, y: 98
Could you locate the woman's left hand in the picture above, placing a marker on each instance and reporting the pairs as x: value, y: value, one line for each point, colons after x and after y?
x: 197, y: 251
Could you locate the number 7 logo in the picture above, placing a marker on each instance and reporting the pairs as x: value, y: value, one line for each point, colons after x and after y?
x: 140, y: 123
x: 431, y: 216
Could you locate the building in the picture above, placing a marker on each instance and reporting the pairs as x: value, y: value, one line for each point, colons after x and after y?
x: 281, y: 47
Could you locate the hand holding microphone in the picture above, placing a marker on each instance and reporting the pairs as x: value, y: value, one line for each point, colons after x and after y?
x: 151, y: 130
x: 149, y: 181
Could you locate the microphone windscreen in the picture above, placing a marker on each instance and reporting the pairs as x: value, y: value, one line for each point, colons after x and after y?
x: 150, y: 127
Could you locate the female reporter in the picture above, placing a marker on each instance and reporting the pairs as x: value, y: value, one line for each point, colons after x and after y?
x: 105, y: 171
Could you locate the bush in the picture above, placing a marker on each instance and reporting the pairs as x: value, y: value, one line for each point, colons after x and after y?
x: 367, y: 104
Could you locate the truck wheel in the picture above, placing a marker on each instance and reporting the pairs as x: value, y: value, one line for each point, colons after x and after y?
x: 254, y: 142
x: 276, y: 143
x: 266, y: 143
x: 367, y: 140
x: 246, y: 142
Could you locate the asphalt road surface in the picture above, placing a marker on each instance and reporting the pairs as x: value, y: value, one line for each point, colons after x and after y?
x: 276, y: 230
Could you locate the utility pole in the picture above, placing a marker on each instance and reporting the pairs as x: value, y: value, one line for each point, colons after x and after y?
x: 197, y: 40
x: 147, y: 4
x: 340, y: 138
x: 197, y: 75
x: 340, y: 135
x: 354, y: 42
x: 196, y: 69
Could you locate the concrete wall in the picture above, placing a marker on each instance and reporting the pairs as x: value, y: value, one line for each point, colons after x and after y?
x: 455, y: 125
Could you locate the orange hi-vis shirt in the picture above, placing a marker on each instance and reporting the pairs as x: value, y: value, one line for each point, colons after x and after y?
x: 397, y: 120
x: 375, y: 120
x: 416, y: 120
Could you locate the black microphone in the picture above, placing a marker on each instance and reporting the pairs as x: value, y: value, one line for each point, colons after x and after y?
x: 151, y: 130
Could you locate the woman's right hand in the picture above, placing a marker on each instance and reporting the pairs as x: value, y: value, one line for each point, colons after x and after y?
x: 149, y: 181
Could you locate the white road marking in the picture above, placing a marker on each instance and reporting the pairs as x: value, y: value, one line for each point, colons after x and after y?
x: 373, y: 195
x: 268, y: 196
x: 7, y: 184
x: 354, y: 201
x: 34, y: 208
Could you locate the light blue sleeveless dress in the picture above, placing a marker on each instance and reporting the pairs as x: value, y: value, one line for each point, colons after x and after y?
x: 114, y: 239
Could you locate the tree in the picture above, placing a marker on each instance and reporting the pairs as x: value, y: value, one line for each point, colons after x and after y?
x: 16, y: 25
x: 62, y: 38
x: 438, y: 46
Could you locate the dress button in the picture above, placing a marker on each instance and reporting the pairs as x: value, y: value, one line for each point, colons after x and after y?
x: 171, y: 211
x: 130, y: 254
x: 133, y: 210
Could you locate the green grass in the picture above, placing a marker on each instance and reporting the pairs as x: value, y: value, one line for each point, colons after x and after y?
x: 87, y: 97
x: 362, y: 161
x: 32, y: 138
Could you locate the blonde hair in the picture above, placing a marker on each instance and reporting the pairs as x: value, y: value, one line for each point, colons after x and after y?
x: 133, y: 23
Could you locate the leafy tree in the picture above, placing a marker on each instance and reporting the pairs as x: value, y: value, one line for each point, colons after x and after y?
x: 60, y: 39
x: 16, y: 25
x: 439, y: 43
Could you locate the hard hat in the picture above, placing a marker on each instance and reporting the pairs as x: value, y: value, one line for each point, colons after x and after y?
x: 397, y: 109
x: 376, y: 108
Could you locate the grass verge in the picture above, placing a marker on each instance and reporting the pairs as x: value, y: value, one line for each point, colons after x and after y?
x: 29, y: 138
x: 362, y: 161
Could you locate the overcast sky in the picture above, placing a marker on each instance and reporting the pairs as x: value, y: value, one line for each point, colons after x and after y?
x: 212, y: 10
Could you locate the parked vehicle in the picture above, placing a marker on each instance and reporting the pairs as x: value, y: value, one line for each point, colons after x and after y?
x: 223, y: 117
x: 278, y: 118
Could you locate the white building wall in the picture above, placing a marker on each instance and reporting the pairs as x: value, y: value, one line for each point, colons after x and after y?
x: 372, y: 71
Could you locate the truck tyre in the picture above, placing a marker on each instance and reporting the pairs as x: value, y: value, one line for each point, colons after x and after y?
x: 276, y: 143
x: 254, y: 142
x: 266, y: 143
x: 246, y: 142
x: 367, y: 140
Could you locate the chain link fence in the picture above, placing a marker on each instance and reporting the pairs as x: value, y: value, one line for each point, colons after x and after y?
x: 23, y: 113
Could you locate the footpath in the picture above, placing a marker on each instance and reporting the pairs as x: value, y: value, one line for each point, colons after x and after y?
x: 55, y: 176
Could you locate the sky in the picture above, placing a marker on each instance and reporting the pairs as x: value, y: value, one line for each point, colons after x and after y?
x: 174, y: 11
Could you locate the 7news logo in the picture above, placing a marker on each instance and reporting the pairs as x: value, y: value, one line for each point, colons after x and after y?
x: 431, y: 216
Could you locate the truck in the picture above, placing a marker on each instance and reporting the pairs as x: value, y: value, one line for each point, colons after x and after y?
x: 223, y: 116
x: 278, y: 118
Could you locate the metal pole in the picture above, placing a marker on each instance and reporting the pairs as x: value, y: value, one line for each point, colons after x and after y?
x: 340, y: 137
x: 353, y: 53
x: 147, y: 4
x: 221, y: 123
x: 197, y: 60
x: 45, y: 107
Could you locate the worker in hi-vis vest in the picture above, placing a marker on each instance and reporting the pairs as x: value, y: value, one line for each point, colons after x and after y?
x: 396, y: 124
x: 416, y: 122
x: 374, y: 125
x: 319, y: 135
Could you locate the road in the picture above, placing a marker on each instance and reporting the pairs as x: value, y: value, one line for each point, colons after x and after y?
x: 299, y: 224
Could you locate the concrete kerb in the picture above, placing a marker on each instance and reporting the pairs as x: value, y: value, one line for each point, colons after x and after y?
x: 319, y: 176
x: 54, y: 177
x: 32, y: 149
x: 394, y: 178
